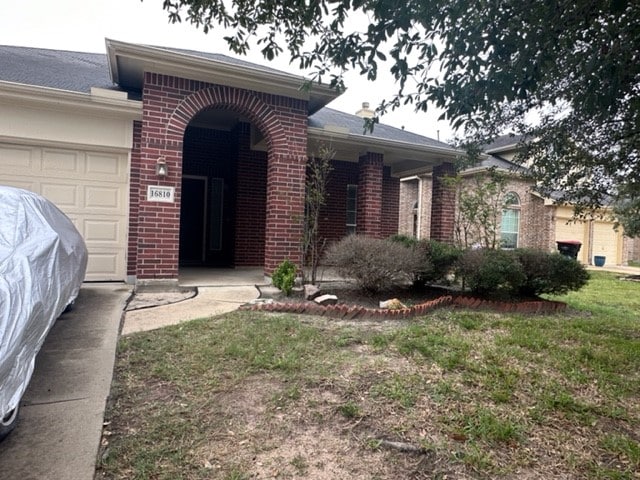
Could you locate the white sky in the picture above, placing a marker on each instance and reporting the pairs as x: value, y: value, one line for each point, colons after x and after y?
x: 83, y: 25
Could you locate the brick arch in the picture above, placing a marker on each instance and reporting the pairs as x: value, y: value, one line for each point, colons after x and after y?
x: 239, y: 101
x: 169, y: 105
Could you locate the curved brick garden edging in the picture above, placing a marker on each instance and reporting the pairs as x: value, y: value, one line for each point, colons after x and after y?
x: 350, y: 312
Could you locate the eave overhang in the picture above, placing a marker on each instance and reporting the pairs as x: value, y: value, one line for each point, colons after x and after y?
x: 404, y: 158
x: 128, y: 62
x: 99, y: 102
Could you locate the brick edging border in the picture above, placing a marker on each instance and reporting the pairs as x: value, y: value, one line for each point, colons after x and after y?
x: 350, y: 312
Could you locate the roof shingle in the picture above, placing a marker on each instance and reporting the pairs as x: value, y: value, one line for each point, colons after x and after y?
x: 72, y: 71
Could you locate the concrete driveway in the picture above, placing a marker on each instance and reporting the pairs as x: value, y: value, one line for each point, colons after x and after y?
x: 61, y: 414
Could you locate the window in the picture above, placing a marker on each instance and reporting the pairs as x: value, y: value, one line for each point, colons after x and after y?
x: 510, y: 221
x: 352, y: 208
x: 414, y: 229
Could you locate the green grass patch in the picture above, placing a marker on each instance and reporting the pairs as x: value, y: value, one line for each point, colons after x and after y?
x: 249, y: 395
x: 487, y: 426
x: 623, y: 447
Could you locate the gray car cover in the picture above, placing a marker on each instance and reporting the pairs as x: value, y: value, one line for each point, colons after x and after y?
x: 43, y: 260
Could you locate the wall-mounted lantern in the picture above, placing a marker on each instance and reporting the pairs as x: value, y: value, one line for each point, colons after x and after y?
x: 162, y: 170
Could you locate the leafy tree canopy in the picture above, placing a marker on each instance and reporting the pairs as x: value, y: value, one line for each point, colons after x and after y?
x: 563, y: 72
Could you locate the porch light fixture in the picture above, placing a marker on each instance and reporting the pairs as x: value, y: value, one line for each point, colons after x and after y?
x: 162, y: 170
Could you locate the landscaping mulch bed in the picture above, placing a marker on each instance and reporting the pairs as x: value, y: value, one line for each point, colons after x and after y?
x: 353, y: 303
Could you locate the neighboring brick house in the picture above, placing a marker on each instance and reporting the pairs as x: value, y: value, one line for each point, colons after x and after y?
x: 530, y: 221
x: 166, y: 157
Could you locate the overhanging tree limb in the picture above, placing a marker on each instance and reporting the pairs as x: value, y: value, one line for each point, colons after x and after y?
x: 488, y: 65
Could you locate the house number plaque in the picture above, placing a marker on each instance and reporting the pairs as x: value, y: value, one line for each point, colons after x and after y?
x: 157, y: 193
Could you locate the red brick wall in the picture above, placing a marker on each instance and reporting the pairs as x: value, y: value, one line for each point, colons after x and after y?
x: 333, y: 216
x: 390, y: 204
x: 443, y: 204
x: 210, y: 153
x: 251, y: 200
x: 169, y: 103
x: 370, y: 195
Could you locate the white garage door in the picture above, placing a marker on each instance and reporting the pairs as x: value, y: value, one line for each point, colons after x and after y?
x: 606, y: 242
x: 568, y: 230
x: 90, y: 187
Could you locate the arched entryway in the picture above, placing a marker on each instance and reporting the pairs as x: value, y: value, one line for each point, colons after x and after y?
x: 224, y: 192
x: 178, y: 112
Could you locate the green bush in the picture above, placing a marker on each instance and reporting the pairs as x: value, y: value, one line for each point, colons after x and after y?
x: 520, y: 273
x: 492, y: 273
x: 551, y: 273
x: 375, y: 264
x: 440, y: 260
x: 537, y: 267
x: 436, y: 259
x: 566, y: 275
x: 284, y: 277
x: 405, y: 240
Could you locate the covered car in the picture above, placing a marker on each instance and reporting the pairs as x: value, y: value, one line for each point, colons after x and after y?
x: 43, y: 260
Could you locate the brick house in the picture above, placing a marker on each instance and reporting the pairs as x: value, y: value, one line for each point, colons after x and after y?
x: 529, y: 221
x: 166, y: 158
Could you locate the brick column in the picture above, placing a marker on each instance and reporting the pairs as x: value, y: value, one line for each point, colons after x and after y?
x: 370, y: 195
x: 443, y: 204
x: 390, y: 204
x: 285, y: 209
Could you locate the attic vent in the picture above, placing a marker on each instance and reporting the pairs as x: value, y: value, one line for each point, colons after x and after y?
x: 365, y: 111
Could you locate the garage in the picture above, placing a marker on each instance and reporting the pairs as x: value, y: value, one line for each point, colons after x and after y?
x: 569, y: 230
x: 607, y: 243
x: 598, y: 237
x: 91, y: 187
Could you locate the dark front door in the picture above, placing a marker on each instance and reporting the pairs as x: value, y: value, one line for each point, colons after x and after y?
x: 220, y: 227
x: 193, y: 220
x: 206, y: 222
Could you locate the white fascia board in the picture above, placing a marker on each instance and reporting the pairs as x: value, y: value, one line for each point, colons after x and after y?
x: 381, y: 144
x: 58, y: 99
x: 505, y: 148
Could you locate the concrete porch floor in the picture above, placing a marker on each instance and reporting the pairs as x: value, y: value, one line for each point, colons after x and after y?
x: 221, y: 277
x: 241, y: 276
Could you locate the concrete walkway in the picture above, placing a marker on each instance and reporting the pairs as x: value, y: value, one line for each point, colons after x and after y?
x: 204, y: 292
x: 626, y: 270
x: 208, y: 301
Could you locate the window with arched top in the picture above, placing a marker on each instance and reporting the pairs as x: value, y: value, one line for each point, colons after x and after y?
x: 510, y: 226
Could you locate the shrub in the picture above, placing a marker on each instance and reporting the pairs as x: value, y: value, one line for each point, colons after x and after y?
x: 436, y: 260
x: 520, y: 273
x: 537, y: 267
x: 405, y: 240
x: 490, y: 272
x: 284, y: 276
x: 551, y: 273
x: 440, y: 260
x: 375, y: 264
x: 567, y: 274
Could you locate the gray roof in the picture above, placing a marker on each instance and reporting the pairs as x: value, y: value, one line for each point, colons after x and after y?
x: 503, y: 141
x: 218, y: 57
x: 355, y: 125
x: 73, y: 71
x: 78, y: 72
x: 498, y: 162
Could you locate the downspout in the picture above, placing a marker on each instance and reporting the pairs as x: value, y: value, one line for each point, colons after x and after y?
x: 419, y: 233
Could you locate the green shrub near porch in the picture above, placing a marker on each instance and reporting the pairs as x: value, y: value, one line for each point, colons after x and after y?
x: 377, y: 264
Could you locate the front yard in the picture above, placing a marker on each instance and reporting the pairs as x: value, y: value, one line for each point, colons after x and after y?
x: 455, y: 394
